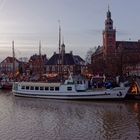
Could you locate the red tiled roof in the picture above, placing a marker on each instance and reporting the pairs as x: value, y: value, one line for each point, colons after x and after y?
x: 128, y: 45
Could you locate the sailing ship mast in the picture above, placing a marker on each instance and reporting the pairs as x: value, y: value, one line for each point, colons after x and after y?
x: 59, y: 37
x: 59, y: 61
x: 40, y: 58
x: 39, y: 48
x: 13, y: 60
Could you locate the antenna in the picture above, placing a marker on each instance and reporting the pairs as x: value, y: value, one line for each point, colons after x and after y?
x: 108, y: 7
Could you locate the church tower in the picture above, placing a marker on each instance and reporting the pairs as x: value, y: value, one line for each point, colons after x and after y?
x: 109, y: 36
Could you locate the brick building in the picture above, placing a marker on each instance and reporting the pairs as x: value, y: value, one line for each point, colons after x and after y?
x: 37, y: 64
x: 114, y: 57
x: 6, y: 66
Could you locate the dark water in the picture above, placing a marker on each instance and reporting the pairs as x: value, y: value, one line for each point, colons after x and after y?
x: 46, y: 119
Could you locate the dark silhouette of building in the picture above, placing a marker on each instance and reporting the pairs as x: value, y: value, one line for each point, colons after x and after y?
x: 114, y: 57
x: 37, y: 64
x: 63, y: 63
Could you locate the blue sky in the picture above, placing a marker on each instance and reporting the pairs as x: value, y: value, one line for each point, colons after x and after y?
x: 82, y: 21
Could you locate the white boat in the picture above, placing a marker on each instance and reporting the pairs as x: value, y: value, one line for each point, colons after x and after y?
x: 70, y: 89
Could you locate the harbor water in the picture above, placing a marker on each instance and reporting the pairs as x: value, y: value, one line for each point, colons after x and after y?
x: 49, y: 119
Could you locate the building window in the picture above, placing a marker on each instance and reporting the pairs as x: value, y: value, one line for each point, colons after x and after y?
x: 56, y: 68
x: 50, y: 68
x: 53, y: 68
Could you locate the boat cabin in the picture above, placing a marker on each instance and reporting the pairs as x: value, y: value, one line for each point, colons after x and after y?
x: 70, y: 85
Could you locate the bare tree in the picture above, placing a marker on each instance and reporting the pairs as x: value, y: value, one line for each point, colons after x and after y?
x: 89, y: 54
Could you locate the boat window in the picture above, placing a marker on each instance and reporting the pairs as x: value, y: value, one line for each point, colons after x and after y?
x: 51, y: 88
x: 46, y: 88
x: 23, y: 87
x: 41, y: 88
x: 36, y: 88
x: 69, y: 88
x: 27, y: 87
x: 70, y: 83
x: 56, y: 88
x: 77, y: 82
x: 31, y: 88
x: 80, y: 82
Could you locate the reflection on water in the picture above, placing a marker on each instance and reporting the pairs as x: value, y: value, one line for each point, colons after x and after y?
x: 39, y: 119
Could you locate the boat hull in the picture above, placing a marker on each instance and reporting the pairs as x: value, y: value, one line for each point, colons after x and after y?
x: 76, y: 95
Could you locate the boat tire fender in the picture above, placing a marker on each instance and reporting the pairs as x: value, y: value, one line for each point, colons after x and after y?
x: 119, y: 94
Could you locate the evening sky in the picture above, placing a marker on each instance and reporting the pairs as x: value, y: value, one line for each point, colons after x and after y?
x: 82, y: 22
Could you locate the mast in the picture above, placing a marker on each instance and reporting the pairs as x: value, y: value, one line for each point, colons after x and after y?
x: 59, y: 61
x: 59, y: 36
x: 40, y: 59
x: 13, y: 60
x: 39, y: 48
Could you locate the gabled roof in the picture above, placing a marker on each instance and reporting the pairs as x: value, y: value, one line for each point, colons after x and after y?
x: 128, y: 45
x: 78, y: 60
x: 99, y: 50
x: 9, y: 60
x: 69, y: 59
